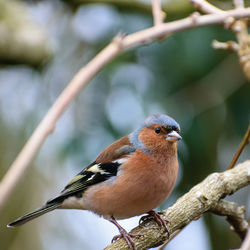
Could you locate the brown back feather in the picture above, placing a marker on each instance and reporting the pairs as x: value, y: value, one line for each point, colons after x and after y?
x: 115, y: 150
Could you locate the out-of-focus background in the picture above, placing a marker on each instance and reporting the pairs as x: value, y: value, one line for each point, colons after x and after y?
x: 44, y: 43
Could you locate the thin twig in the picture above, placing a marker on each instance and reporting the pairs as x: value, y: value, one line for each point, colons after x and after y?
x: 157, y: 12
x: 240, y: 28
x: 244, y: 142
x: 239, y: 4
x: 150, y: 34
x: 81, y: 79
x: 229, y: 45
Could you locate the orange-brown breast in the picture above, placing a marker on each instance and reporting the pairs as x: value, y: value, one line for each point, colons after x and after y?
x: 148, y: 182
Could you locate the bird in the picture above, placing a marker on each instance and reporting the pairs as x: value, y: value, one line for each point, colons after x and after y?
x: 130, y: 177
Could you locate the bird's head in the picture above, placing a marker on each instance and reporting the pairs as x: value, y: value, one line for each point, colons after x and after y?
x: 157, y: 133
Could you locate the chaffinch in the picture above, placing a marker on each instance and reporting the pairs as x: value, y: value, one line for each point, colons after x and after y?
x: 130, y: 177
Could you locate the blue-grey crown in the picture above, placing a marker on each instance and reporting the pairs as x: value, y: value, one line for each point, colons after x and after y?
x: 163, y: 120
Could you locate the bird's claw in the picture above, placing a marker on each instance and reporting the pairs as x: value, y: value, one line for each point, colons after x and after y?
x: 127, y: 237
x: 145, y: 218
x: 158, y: 219
x: 124, y: 234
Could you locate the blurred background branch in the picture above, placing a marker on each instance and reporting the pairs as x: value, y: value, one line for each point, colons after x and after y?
x: 158, y: 14
x: 239, y: 27
x: 171, y: 7
x: 22, y: 41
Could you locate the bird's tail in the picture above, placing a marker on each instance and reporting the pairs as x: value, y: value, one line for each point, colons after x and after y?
x: 40, y: 211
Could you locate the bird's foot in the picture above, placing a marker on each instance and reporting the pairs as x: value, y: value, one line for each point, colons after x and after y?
x: 128, y: 237
x: 158, y: 219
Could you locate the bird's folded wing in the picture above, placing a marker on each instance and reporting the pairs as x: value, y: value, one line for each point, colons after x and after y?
x: 93, y: 174
x: 97, y: 172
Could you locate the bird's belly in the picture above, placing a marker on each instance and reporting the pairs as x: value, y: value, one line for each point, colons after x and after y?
x: 73, y: 202
x: 127, y: 200
x: 145, y: 200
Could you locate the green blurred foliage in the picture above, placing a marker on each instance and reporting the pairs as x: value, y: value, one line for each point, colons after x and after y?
x: 203, y: 89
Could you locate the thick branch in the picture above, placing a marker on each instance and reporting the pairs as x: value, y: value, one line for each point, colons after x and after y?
x: 200, y: 199
x: 246, y: 242
x: 81, y: 79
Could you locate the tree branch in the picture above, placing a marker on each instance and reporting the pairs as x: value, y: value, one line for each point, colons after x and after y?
x: 81, y: 79
x: 239, y: 3
x: 244, y: 142
x: 158, y: 14
x: 239, y: 27
x: 206, y: 7
x: 246, y: 242
x: 201, y: 198
x: 235, y: 215
x: 229, y: 45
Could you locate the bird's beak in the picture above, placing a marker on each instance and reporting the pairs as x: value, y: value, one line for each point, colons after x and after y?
x: 173, y: 136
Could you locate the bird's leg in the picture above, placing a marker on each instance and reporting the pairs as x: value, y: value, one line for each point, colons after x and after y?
x: 124, y: 234
x: 157, y: 217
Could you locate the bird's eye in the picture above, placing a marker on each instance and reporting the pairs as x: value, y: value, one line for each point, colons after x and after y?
x: 157, y: 130
x: 174, y: 128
